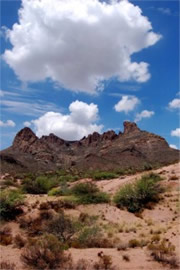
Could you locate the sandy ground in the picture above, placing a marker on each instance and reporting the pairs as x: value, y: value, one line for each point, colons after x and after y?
x: 164, y: 219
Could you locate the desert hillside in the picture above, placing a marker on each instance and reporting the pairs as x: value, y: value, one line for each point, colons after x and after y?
x: 89, y: 223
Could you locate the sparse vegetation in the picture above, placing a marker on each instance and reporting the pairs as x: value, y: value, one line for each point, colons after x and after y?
x: 126, y: 257
x: 105, y: 263
x: 62, y: 227
x: 39, y: 184
x: 88, y: 193
x: 6, y: 236
x: 45, y: 253
x: 164, y: 252
x: 19, y: 241
x: 134, y: 243
x: 10, y: 202
x: 89, y: 237
x: 55, y: 192
x: 6, y: 265
x: 136, y: 196
x: 104, y: 175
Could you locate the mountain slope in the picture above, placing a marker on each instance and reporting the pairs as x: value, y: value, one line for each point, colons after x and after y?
x: 133, y: 148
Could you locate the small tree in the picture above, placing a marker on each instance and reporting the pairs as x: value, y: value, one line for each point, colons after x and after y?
x: 62, y: 227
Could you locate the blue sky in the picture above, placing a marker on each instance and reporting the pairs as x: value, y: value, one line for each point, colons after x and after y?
x: 85, y: 66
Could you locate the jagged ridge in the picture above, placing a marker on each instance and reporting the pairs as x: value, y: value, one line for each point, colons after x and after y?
x: 130, y: 148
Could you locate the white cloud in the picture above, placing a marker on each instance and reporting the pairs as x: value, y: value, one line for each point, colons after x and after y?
x: 27, y: 124
x: 27, y: 107
x: 80, y: 122
x: 176, y: 132
x: 166, y: 11
x: 143, y: 114
x: 79, y: 43
x: 173, y: 146
x: 8, y: 123
x: 174, y: 104
x: 127, y: 104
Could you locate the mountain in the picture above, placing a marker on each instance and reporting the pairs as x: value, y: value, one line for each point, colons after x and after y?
x: 132, y: 148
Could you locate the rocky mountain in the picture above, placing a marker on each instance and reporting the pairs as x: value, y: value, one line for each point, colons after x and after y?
x: 108, y: 151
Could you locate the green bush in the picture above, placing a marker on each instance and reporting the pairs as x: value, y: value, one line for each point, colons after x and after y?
x: 10, y: 200
x: 39, y: 185
x: 98, y: 197
x: 136, y: 196
x: 55, y: 192
x: 84, y: 189
x: 88, y: 193
x: 104, y: 175
x: 68, y: 178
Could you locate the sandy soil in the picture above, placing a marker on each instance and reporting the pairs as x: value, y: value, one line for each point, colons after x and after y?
x: 163, y: 218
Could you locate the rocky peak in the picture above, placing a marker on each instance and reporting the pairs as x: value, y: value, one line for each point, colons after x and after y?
x: 52, y: 139
x: 91, y: 138
x: 24, y: 137
x: 130, y: 127
x: 109, y: 135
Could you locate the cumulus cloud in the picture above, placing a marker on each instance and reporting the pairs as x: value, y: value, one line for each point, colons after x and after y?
x: 81, y: 121
x: 143, y: 114
x: 8, y: 123
x: 176, y: 132
x: 174, y: 104
x: 79, y: 43
x: 127, y: 104
x: 173, y: 146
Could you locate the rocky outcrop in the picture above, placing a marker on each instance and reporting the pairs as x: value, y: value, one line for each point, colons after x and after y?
x: 24, y: 139
x: 130, y: 148
x: 130, y: 128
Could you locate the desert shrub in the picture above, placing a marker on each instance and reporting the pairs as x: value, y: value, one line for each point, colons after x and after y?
x: 88, y: 193
x: 55, y: 192
x: 68, y: 178
x: 136, y: 196
x: 46, y: 215
x: 126, y: 257
x: 155, y: 238
x: 24, y: 222
x: 6, y: 236
x: 69, y: 203
x: 79, y: 265
x: 105, y: 263
x: 6, y: 265
x: 164, y: 252
x: 147, y: 167
x: 174, y: 177
x: 62, y: 190
x: 32, y: 225
x: 84, y: 189
x: 62, y: 227
x: 10, y: 202
x: 19, y: 241
x: 45, y: 253
x: 45, y: 206
x: 98, y: 197
x: 104, y: 175
x: 122, y: 246
x: 134, y: 243
x: 86, y: 219
x: 39, y: 185
x: 89, y: 237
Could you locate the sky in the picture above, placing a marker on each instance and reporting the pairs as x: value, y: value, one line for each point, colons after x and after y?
x: 78, y: 66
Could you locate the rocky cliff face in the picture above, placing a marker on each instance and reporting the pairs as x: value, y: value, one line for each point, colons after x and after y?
x: 130, y: 148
